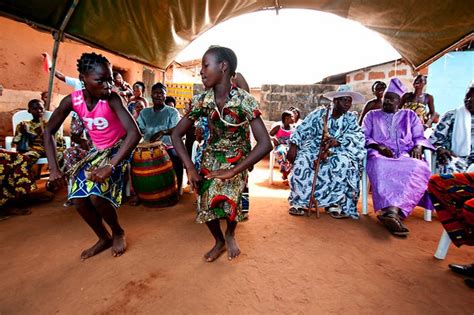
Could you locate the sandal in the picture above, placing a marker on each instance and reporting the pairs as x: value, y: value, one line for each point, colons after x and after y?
x: 295, y: 210
x: 335, y: 212
x: 393, y: 223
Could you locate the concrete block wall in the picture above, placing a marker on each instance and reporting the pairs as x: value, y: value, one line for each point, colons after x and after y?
x: 363, y: 78
x: 274, y: 99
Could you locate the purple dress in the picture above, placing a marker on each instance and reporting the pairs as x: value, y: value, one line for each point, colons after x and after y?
x: 400, y: 181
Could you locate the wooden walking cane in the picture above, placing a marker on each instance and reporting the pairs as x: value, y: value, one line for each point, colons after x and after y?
x: 317, y: 162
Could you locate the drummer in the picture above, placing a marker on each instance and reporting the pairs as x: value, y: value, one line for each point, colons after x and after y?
x: 157, y: 122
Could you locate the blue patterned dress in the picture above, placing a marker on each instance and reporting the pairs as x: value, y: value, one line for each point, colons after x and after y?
x: 339, y: 176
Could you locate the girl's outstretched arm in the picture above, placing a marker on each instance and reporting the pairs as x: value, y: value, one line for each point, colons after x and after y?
x: 176, y: 137
x: 262, y: 148
x: 54, y: 123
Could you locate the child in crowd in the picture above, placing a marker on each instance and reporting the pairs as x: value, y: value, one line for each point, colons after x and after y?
x: 98, y: 178
x: 170, y: 101
x: 228, y: 155
x: 280, y: 135
x: 139, y: 106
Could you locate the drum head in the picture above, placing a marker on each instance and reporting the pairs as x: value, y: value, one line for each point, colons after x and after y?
x: 148, y: 145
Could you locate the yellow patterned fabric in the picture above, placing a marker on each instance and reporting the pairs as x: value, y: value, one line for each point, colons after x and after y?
x: 420, y: 110
x: 15, y: 178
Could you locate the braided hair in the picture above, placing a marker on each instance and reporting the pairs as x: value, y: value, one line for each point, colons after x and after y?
x: 225, y: 54
x: 89, y: 61
x: 376, y: 83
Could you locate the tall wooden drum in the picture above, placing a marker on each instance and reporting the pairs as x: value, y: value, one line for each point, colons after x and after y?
x: 153, y: 177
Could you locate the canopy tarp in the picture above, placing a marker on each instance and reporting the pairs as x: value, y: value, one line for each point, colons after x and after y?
x: 153, y: 32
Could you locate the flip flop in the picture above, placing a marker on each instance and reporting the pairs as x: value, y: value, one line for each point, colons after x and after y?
x: 294, y: 210
x: 393, y: 223
x: 335, y: 212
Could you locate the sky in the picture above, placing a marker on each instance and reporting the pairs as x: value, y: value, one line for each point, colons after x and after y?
x: 293, y: 47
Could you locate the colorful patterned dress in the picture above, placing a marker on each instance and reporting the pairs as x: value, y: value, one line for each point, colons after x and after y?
x: 419, y: 105
x: 227, y: 144
x: 76, y: 153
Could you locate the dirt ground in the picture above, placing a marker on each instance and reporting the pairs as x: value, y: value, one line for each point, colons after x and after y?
x: 288, y: 265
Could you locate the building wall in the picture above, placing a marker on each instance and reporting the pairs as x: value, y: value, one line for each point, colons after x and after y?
x: 274, y: 99
x: 362, y: 80
x: 22, y: 74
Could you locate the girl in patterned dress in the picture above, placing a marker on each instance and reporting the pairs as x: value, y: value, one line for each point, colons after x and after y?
x: 99, y: 177
x: 225, y: 161
x: 419, y: 102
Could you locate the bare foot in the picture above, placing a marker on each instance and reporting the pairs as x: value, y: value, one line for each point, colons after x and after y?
x: 233, y: 249
x: 118, y: 245
x: 101, y: 245
x: 215, y: 252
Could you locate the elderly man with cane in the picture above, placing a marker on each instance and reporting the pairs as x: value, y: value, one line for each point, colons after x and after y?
x: 340, y: 164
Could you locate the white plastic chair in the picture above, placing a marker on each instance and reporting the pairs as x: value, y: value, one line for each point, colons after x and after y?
x: 444, y: 240
x: 272, y: 166
x: 23, y: 115
x: 443, y: 246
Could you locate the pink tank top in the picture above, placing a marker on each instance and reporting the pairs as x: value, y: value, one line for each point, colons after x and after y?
x: 103, y: 125
x: 283, y: 135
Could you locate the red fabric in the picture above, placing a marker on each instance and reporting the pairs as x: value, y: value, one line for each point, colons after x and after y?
x: 453, y: 198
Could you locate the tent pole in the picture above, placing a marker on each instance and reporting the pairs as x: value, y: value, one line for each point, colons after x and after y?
x: 58, y: 36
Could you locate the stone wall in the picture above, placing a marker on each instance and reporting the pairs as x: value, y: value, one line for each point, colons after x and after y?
x: 274, y: 99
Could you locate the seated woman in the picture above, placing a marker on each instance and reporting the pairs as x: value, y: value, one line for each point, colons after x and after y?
x: 15, y: 181
x: 418, y: 101
x: 452, y: 137
x: 378, y: 88
x: 280, y: 135
x: 396, y: 169
x: 29, y: 134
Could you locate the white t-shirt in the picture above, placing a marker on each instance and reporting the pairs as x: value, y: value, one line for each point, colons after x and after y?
x: 75, y: 83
